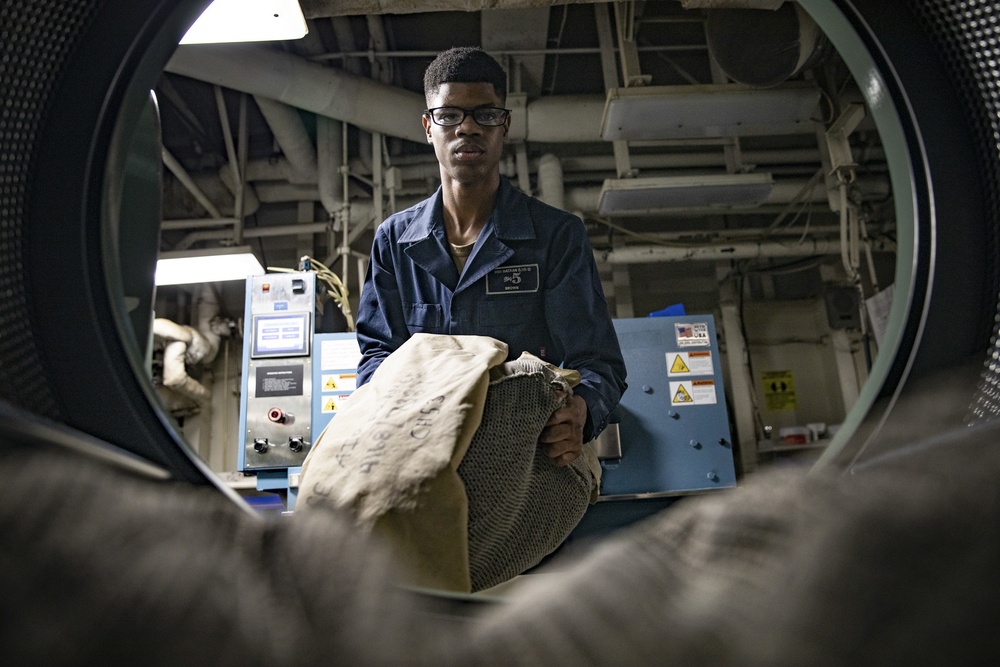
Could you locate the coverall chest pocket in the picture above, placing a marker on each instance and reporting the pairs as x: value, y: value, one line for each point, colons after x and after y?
x: 510, y: 314
x: 424, y: 317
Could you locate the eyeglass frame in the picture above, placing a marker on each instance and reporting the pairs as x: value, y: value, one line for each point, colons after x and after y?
x: 466, y: 113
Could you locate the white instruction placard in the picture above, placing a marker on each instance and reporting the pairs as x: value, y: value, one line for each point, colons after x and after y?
x: 338, y: 355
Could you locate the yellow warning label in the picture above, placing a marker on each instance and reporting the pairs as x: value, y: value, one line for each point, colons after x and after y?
x: 339, y: 382
x: 679, y: 366
x: 682, y: 396
x: 779, y: 391
x: 329, y: 405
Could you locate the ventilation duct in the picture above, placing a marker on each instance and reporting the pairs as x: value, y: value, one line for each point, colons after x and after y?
x: 764, y: 48
x: 651, y: 113
x: 650, y: 195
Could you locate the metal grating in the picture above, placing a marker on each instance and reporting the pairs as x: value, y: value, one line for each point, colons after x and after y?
x: 968, y: 36
x: 35, y: 42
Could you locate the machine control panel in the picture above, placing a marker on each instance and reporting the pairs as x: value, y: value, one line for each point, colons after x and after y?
x: 276, y: 404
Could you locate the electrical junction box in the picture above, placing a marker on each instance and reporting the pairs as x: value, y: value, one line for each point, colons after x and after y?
x: 674, y: 426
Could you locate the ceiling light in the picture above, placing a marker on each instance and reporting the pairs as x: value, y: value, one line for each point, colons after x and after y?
x: 638, y: 196
x: 650, y: 113
x: 207, y: 266
x: 248, y: 21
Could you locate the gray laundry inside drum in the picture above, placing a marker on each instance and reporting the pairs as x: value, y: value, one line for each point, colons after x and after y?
x: 521, y: 505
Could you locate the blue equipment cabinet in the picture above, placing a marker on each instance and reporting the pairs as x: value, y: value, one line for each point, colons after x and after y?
x: 674, y: 425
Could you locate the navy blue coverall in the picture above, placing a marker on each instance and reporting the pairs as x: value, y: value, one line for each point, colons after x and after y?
x: 531, y: 282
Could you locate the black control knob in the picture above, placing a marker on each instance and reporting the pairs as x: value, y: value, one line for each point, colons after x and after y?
x: 260, y: 445
x: 296, y: 444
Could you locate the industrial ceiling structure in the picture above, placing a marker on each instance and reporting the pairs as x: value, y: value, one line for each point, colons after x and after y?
x: 677, y: 130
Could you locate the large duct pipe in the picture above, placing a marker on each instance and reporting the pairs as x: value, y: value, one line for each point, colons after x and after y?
x: 369, y: 105
x: 357, y: 100
x: 292, y: 137
x: 301, y: 83
x: 764, y: 48
x: 565, y: 119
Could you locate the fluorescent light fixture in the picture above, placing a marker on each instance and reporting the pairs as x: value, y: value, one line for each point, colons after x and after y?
x: 641, y: 196
x: 651, y: 113
x: 207, y: 266
x: 248, y: 21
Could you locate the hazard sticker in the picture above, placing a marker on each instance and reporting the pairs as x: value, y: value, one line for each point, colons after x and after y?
x: 339, y: 382
x: 779, y: 391
x: 693, y: 392
x: 690, y: 363
x: 692, y: 334
x: 334, y: 403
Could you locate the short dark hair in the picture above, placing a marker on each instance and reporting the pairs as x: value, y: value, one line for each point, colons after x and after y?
x: 465, y: 64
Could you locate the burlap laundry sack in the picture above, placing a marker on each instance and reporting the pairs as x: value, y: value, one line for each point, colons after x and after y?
x: 392, y: 458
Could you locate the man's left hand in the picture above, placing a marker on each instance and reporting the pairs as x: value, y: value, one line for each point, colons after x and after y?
x: 562, y: 436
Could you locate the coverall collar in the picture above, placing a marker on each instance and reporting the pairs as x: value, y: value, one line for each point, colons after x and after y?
x: 514, y: 222
x: 427, y: 245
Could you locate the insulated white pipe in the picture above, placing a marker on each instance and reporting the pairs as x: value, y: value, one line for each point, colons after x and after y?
x: 301, y: 83
x: 175, y: 375
x: 566, y: 119
x: 250, y: 201
x: 550, y: 181
x: 329, y: 148
x: 208, y: 309
x: 291, y: 135
x: 743, y: 250
x: 182, y: 176
x: 197, y: 346
x: 184, y: 345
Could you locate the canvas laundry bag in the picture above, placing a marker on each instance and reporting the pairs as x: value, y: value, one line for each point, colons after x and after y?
x: 393, y: 456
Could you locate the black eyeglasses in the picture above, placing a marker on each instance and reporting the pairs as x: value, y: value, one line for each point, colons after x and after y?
x: 451, y: 116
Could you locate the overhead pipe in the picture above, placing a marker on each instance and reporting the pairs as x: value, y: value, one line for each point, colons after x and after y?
x: 422, y: 168
x: 362, y: 102
x: 293, y: 139
x: 651, y: 254
x: 586, y: 198
x: 550, y: 181
x: 580, y: 198
x: 329, y: 148
x: 186, y: 345
x: 219, y: 196
x: 301, y: 83
x: 250, y: 201
x: 316, y: 9
x: 185, y: 179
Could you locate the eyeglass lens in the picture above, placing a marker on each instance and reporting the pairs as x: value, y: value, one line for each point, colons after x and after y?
x: 488, y: 116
